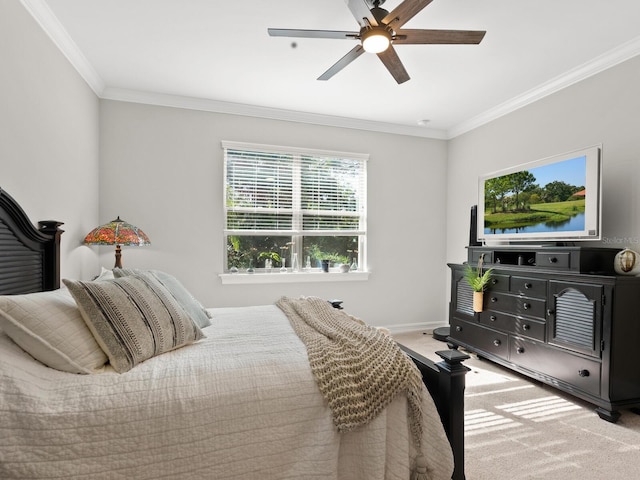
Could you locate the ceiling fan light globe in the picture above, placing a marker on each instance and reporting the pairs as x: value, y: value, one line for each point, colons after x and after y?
x: 376, y: 41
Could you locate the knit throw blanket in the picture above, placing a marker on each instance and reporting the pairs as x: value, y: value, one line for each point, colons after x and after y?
x: 358, y: 368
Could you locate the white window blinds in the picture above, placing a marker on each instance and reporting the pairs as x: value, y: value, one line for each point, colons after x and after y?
x: 272, y: 190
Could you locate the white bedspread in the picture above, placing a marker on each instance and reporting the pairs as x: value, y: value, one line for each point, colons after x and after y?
x: 240, y: 404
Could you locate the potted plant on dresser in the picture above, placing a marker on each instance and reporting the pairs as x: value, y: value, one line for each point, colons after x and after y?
x: 478, y: 281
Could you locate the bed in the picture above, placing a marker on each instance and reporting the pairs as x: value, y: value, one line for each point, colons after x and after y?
x: 241, y: 399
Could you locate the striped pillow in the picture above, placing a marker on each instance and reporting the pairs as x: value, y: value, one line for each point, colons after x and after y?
x: 192, y: 306
x: 133, y: 318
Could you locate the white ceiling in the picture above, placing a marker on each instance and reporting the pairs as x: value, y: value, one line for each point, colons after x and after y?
x: 216, y: 55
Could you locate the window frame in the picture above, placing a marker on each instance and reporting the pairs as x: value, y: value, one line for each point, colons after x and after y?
x: 297, y: 232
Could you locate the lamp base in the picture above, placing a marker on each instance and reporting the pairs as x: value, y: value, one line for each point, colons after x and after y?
x: 118, y: 257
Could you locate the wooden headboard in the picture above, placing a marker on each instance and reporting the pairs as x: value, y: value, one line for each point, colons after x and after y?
x: 29, y: 256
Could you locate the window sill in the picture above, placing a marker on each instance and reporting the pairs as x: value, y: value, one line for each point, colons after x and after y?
x: 291, y: 277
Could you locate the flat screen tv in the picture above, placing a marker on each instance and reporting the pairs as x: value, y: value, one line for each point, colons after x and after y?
x: 555, y: 199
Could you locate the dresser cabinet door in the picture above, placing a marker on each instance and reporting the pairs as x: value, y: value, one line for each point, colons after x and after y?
x: 461, y: 294
x: 575, y: 316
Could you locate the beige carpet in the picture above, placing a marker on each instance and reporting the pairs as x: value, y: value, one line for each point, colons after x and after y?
x: 519, y: 429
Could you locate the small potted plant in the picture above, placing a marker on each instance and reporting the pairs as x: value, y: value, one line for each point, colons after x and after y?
x: 269, y: 258
x: 478, y: 281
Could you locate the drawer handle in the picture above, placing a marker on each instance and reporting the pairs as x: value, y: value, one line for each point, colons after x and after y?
x: 526, y: 305
x: 519, y: 350
x: 553, y: 260
x: 494, y: 281
x: 526, y: 326
x: 494, y: 299
x: 497, y: 342
x: 458, y: 328
x: 550, y: 312
x: 493, y: 318
x: 527, y: 286
x: 583, y: 373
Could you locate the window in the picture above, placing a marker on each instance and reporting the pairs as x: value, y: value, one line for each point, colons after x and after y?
x: 291, y: 208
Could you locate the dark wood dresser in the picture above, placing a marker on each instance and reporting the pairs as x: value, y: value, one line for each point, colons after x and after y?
x: 559, y: 315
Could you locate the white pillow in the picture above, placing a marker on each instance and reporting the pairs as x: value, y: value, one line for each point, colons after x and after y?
x: 49, y: 327
x: 104, y: 275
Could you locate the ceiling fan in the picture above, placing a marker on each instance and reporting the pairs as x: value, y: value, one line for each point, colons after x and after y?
x: 379, y: 31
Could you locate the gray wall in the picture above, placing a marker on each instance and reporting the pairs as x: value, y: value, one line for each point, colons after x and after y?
x: 161, y: 168
x: 48, y: 135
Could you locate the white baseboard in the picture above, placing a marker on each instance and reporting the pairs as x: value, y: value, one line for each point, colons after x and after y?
x: 415, y: 327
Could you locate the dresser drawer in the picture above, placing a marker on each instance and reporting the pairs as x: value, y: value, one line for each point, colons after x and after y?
x: 560, y: 260
x: 531, y: 287
x: 517, y: 304
x: 499, y: 320
x: 474, y: 256
x: 483, y: 339
x: 499, y: 283
x: 513, y: 324
x: 581, y: 373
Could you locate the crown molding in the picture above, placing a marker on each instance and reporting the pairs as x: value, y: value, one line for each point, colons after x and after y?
x: 41, y: 12
x: 605, y: 61
x: 192, y: 103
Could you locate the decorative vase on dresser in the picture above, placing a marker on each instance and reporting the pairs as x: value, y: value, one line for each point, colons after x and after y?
x: 478, y: 300
x: 627, y: 262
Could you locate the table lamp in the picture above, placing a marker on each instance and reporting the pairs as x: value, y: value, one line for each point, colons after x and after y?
x: 117, y: 232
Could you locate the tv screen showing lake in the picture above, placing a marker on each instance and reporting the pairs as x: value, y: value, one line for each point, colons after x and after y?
x: 572, y: 224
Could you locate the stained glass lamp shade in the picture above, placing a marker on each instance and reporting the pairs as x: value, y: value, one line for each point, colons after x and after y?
x: 117, y: 232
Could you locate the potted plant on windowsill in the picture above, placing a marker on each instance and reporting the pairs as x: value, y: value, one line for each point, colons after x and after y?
x: 478, y: 281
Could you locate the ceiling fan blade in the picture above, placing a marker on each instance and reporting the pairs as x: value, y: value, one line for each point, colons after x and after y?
x: 416, y: 37
x: 404, y: 12
x: 391, y: 60
x: 354, y: 53
x: 360, y: 11
x: 293, y: 32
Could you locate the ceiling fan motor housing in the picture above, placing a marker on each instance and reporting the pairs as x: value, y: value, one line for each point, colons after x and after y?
x: 379, y: 14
